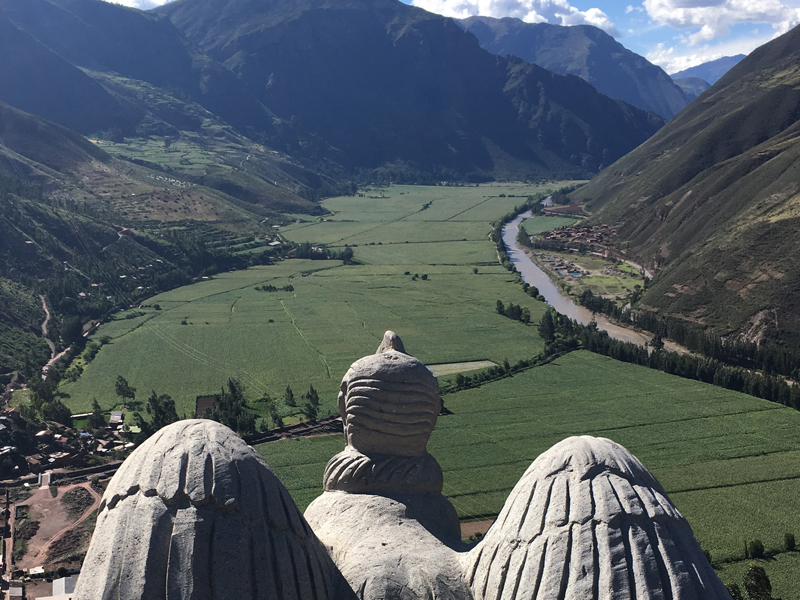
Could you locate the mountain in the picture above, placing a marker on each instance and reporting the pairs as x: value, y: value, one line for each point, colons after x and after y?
x: 711, y: 71
x: 585, y: 51
x: 712, y: 201
x: 692, y: 86
x: 95, y: 234
x: 114, y: 72
x: 390, y: 84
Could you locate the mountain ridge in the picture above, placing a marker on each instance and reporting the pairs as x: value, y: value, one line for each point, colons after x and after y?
x: 711, y: 199
x: 402, y: 86
x: 587, y: 52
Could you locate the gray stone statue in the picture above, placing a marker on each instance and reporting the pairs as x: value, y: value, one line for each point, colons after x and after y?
x: 195, y: 513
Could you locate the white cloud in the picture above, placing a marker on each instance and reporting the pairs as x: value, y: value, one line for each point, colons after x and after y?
x: 558, y: 12
x: 673, y: 59
x: 714, y: 17
x: 630, y: 8
x: 142, y: 4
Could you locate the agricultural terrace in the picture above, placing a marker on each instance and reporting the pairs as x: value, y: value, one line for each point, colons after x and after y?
x: 730, y: 462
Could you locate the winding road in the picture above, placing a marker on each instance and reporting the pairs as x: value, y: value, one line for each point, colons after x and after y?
x: 53, y: 356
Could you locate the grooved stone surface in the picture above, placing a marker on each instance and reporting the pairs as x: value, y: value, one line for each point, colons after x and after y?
x: 195, y: 513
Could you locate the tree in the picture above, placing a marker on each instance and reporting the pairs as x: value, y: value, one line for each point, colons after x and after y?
x: 96, y: 420
x: 124, y: 390
x: 547, y: 329
x: 756, y: 549
x: 756, y: 584
x: 231, y: 408
x: 346, y: 255
x: 788, y: 542
x: 57, y: 411
x: 311, y: 407
x: 288, y: 397
x: 161, y: 409
x: 734, y: 591
x: 500, y: 308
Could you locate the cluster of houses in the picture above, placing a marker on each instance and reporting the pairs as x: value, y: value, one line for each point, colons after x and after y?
x: 564, y: 268
x: 57, y: 445
x: 599, y: 235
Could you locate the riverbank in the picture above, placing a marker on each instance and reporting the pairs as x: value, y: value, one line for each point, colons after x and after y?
x: 552, y: 293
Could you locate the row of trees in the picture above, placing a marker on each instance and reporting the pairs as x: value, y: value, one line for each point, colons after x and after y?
x: 307, y: 251
x: 769, y: 358
x: 560, y: 334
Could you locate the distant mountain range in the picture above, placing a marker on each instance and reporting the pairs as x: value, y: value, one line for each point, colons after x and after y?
x: 338, y: 85
x: 711, y: 71
x: 712, y: 201
x: 585, y: 51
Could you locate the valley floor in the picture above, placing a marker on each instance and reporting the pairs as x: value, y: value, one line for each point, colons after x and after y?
x: 426, y: 269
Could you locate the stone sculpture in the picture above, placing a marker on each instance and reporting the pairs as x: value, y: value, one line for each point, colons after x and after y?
x: 194, y: 513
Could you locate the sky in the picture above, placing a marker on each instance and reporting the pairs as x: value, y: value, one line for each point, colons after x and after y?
x: 674, y: 34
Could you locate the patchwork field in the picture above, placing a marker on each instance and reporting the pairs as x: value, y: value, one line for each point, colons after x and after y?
x: 425, y: 289
x: 730, y: 462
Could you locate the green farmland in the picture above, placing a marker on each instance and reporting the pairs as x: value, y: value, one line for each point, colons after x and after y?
x: 730, y: 462
x: 223, y: 327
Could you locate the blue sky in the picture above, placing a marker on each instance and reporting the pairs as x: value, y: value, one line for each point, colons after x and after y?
x: 674, y: 34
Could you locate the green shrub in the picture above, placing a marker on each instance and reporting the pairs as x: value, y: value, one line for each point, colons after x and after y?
x: 756, y: 549
x: 788, y: 542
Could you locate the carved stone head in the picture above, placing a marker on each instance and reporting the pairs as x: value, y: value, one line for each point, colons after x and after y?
x: 389, y: 402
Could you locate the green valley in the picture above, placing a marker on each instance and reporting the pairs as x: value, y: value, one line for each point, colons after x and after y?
x: 728, y: 460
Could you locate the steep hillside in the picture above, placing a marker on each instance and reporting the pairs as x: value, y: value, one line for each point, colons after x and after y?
x: 389, y: 83
x: 711, y: 71
x: 692, y: 86
x: 114, y: 72
x: 93, y: 234
x: 712, y: 202
x: 587, y: 52
x: 38, y: 80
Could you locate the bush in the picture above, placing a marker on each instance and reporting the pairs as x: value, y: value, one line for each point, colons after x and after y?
x: 54, y: 490
x: 756, y: 549
x: 788, y: 542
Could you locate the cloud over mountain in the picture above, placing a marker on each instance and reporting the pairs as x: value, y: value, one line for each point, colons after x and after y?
x: 555, y: 12
x: 714, y: 17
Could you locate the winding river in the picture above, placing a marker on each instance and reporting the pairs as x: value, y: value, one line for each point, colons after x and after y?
x: 553, y: 294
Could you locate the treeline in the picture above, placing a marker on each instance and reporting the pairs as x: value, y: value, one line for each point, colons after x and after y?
x: 561, y: 333
x: 561, y: 195
x: 514, y: 311
x: 307, y: 251
x: 272, y: 288
x: 769, y: 358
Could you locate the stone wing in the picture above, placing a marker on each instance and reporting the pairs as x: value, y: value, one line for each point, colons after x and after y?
x: 195, y: 513
x: 587, y: 520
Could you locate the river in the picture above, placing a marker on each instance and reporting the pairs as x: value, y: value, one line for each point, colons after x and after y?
x: 553, y: 295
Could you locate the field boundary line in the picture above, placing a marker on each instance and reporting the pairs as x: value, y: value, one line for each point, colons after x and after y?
x: 300, y: 333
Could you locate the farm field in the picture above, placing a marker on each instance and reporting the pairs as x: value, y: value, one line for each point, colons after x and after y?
x: 730, y: 462
x: 223, y: 327
x: 541, y: 223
